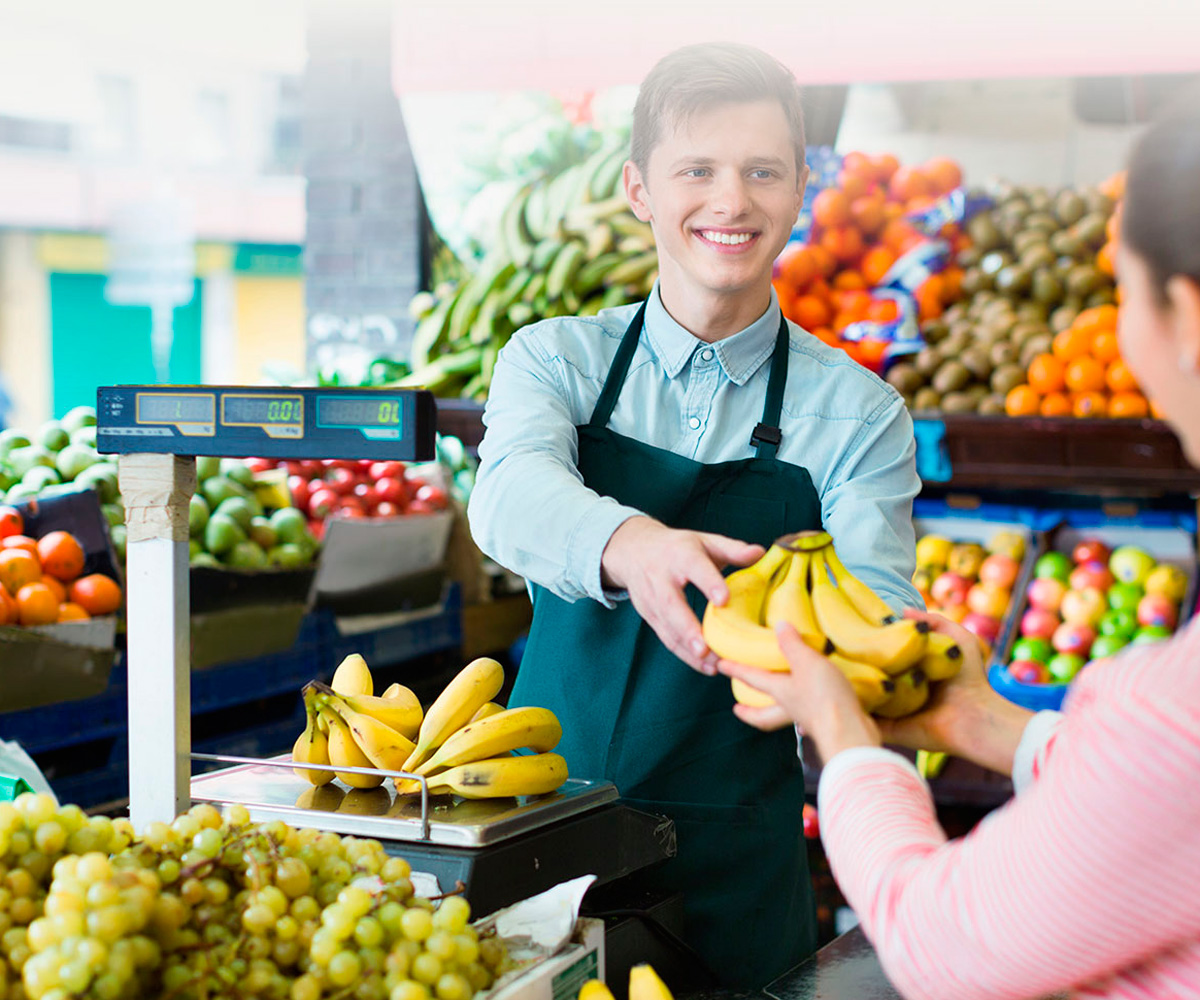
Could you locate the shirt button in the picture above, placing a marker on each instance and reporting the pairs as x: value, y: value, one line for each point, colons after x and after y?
x: 694, y: 423
x: 706, y: 355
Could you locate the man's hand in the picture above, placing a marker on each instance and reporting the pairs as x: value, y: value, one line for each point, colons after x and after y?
x: 654, y: 563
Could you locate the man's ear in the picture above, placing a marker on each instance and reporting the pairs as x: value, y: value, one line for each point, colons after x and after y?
x: 1183, y: 295
x: 635, y: 191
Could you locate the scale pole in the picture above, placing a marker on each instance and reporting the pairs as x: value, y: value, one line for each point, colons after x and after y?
x: 157, y: 490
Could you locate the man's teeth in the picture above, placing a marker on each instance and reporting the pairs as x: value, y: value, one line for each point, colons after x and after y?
x: 730, y: 239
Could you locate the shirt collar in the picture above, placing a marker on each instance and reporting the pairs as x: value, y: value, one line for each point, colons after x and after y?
x: 740, y: 355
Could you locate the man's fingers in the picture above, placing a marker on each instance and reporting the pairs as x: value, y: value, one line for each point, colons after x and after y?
x: 727, y: 551
x: 680, y: 631
x: 700, y: 570
x: 766, y: 718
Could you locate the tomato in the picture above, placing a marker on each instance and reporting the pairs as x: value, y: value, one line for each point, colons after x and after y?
x: 317, y: 528
x: 368, y: 494
x: 350, y: 464
x: 300, y: 490
x: 11, y: 522
x: 342, y: 481
x: 435, y: 496
x: 391, y: 489
x: 350, y: 507
x: 385, y: 508
x: 421, y: 507
x: 312, y: 467
x: 257, y: 465
x: 322, y: 503
x: 812, y: 826
x: 386, y: 470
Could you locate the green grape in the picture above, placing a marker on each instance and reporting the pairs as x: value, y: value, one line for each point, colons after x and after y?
x: 395, y: 869
x: 91, y: 952
x: 370, y: 988
x: 338, y: 921
x: 389, y: 916
x: 258, y: 919
x: 441, y: 944
x: 286, y: 928
x: 479, y: 977
x: 356, y: 900
x: 368, y: 932
x: 453, y: 986
x: 193, y: 892
x: 237, y: 815
x: 66, y: 925
x: 207, y: 816
x: 409, y: 990
x: 293, y: 877
x: 50, y: 837
x: 344, y: 968
x: 324, y: 946
x: 74, y: 976
x: 453, y: 914
x: 258, y: 947
x: 20, y: 883
x: 286, y: 953
x: 305, y: 908
x: 208, y: 842
x: 426, y: 968
x: 19, y: 842
x: 466, y: 949
x: 10, y: 818
x: 416, y: 924
x: 258, y: 978
x: 35, y: 808
x: 94, y: 867
x: 491, y: 950
x: 168, y: 871
x: 100, y: 894
x: 24, y: 910
x: 185, y: 826
x: 306, y: 987
x: 216, y: 888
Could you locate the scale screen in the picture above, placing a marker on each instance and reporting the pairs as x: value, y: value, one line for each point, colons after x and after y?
x: 349, y: 411
x: 261, y: 411
x: 176, y: 408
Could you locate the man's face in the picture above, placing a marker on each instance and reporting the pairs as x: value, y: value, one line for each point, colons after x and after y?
x: 722, y: 193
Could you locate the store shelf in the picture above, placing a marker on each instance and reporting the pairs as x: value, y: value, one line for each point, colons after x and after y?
x: 463, y: 418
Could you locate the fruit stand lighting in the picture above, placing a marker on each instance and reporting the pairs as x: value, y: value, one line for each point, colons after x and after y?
x: 158, y: 431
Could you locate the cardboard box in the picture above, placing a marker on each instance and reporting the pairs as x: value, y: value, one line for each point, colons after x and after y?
x: 67, y: 661
x: 560, y: 976
x: 215, y: 590
x: 243, y: 633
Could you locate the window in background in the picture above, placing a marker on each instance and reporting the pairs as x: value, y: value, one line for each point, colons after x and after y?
x: 35, y: 135
x: 285, y: 109
x: 212, y: 134
x: 116, y: 129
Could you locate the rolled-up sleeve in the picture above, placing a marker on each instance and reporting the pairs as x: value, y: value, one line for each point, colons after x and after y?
x: 530, y: 510
x: 867, y: 505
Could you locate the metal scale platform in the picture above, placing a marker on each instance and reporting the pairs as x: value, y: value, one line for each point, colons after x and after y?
x: 500, y: 850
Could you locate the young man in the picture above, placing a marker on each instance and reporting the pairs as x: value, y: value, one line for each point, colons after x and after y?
x: 630, y: 455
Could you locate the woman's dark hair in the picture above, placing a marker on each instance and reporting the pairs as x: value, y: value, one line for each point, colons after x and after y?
x: 1160, y: 217
x: 698, y: 77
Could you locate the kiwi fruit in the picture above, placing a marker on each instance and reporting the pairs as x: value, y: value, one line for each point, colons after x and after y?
x: 927, y: 361
x: 984, y: 233
x: 1042, y: 222
x: 956, y: 343
x: 1036, y: 258
x: 951, y: 377
x: 1063, y: 317
x: 927, y: 398
x: 995, y: 262
x: 905, y: 378
x: 969, y: 256
x: 1069, y: 207
x: 1083, y: 280
x: 992, y: 405
x: 1002, y: 353
x: 1091, y: 229
x: 1006, y: 378
x: 1013, y: 280
x: 1032, y: 311
x: 1046, y: 287
x: 976, y: 361
x: 1101, y: 297
x: 957, y: 402
x: 1066, y: 243
x: 1034, y: 346
x: 935, y: 331
x: 975, y: 280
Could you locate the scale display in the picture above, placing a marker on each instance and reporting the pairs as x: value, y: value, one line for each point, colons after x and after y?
x: 245, y: 421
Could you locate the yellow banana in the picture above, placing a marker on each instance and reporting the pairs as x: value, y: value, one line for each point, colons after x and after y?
x: 892, y: 648
x: 501, y: 777
x: 872, y: 685
x: 366, y: 802
x: 384, y: 746
x: 943, y: 658
x: 401, y: 713
x: 323, y: 798
x: 345, y: 752
x: 491, y: 708
x: 789, y: 601
x: 644, y: 984
x: 861, y: 597
x: 930, y: 763
x: 353, y: 676
x: 474, y: 686
x: 312, y: 746
x: 744, y: 694
x: 530, y: 727
x: 912, y: 691
x: 735, y: 631
x: 806, y: 541
x: 593, y: 989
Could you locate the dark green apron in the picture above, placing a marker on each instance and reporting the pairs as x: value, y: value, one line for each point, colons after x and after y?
x: 634, y: 714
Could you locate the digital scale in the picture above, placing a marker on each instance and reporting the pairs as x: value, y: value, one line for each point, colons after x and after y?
x: 502, y: 850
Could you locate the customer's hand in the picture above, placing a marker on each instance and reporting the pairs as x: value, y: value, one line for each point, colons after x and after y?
x: 655, y: 563
x: 815, y: 696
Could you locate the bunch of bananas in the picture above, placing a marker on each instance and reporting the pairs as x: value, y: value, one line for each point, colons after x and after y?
x: 567, y: 245
x: 644, y: 984
x: 463, y: 744
x: 888, y: 660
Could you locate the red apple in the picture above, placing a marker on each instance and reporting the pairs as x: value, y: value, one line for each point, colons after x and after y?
x: 1155, y: 609
x: 1073, y: 638
x: 999, y: 569
x: 950, y: 588
x: 1027, y: 671
x: 1039, y: 623
x: 1046, y: 593
x: 1090, y: 574
x: 341, y: 480
x: 1090, y: 550
x: 984, y: 626
x: 1083, y: 607
x: 435, y: 496
x: 391, y: 489
x: 986, y: 599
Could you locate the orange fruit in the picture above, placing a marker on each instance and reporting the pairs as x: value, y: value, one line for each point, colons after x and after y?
x: 908, y: 183
x: 1105, y: 347
x: 1114, y: 187
x: 875, y: 264
x: 884, y: 166
x: 20, y: 542
x: 1105, y: 259
x: 1119, y: 378
x: 1089, y: 404
x: 798, y: 267
x: 853, y: 184
x: 69, y: 612
x: 825, y: 261
x: 1084, y: 375
x: 929, y: 298
x: 1045, y: 374
x: 17, y: 568
x: 36, y: 605
x: 96, y: 593
x: 1071, y: 343
x: 831, y: 208
x: 844, y: 242
x: 952, y: 281
x: 897, y: 235
x: 883, y: 311
x: 1022, y: 401
x: 811, y: 312
x: 849, y: 281
x: 1128, y: 405
x: 1055, y: 404
x: 60, y: 591
x: 868, y: 213
x: 943, y: 174
x: 1097, y: 318
x: 61, y: 554
x: 11, y: 522
x: 8, y: 608
x: 858, y: 162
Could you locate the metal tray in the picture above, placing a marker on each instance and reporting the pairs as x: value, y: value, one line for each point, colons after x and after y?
x: 270, y: 793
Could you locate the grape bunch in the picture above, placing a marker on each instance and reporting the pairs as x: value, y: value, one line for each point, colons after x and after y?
x: 210, y: 907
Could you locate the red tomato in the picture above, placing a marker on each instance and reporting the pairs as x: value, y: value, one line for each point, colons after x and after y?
x: 812, y: 826
x: 317, y: 528
x: 11, y: 522
x: 342, y: 481
x: 392, y: 490
x: 435, y: 496
x: 350, y: 507
x: 322, y: 503
x: 385, y: 508
x: 421, y: 507
x: 344, y: 463
x: 260, y: 464
x: 386, y: 470
x: 368, y: 494
x: 300, y: 489
x: 294, y: 468
x: 312, y: 467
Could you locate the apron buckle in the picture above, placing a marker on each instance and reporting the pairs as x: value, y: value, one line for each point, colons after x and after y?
x: 766, y: 434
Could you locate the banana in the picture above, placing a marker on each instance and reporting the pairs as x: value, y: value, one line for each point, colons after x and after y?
x: 930, y: 763
x: 744, y: 694
x: 474, y: 686
x: 536, y: 287
x: 628, y: 224
x: 633, y: 269
x: 644, y: 984
x: 401, y: 713
x: 598, y: 240
x: 735, y: 631
x: 432, y: 330
x: 865, y: 601
x: 486, y: 712
x: 893, y: 647
x: 593, y: 989
x: 534, y: 213
x: 345, y: 752
x: 501, y: 777
x: 529, y: 727
x: 806, y: 541
x: 353, y: 676
x: 912, y: 691
x: 520, y: 314
x: 871, y: 684
x: 566, y: 264
x: 943, y: 658
x: 386, y: 747
x: 789, y: 601
x: 324, y: 798
x: 579, y: 218
x: 312, y: 746
x: 514, y: 237
x: 591, y: 276
x: 605, y: 181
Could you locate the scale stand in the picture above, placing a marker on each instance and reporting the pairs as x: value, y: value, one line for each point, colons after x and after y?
x: 158, y: 431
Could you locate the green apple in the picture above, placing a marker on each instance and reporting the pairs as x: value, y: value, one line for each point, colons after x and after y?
x: 289, y: 524
x: 1129, y: 564
x: 1055, y: 564
x: 120, y: 535
x: 53, y: 436
x: 206, y: 559
x: 78, y: 417
x: 84, y: 436
x: 263, y: 533
x: 21, y: 460
x: 238, y: 471
x: 288, y: 556
x: 1119, y: 622
x: 73, y: 459
x: 1064, y: 666
x: 12, y: 438
x: 207, y: 466
x: 246, y: 555
x: 238, y: 509
x: 218, y: 488
x: 222, y: 533
x: 39, y: 477
x: 1124, y: 596
x: 1107, y: 645
x: 198, y: 514
x: 101, y: 477
x: 1032, y: 648
x: 1149, y: 634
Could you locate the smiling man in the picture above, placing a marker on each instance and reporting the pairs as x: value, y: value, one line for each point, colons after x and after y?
x: 631, y: 456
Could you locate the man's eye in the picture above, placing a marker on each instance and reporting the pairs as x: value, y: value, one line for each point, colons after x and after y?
x: 763, y: 174
x: 696, y: 172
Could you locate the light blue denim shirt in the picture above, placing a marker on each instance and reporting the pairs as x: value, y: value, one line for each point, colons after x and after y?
x: 531, y: 512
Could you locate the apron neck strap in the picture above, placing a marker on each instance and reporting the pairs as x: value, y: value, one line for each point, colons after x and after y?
x: 767, y: 435
x: 618, y: 371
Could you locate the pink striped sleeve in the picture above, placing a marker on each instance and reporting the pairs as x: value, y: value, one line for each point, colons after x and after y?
x: 1093, y: 869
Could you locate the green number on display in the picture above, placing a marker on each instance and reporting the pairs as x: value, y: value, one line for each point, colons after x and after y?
x: 389, y: 413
